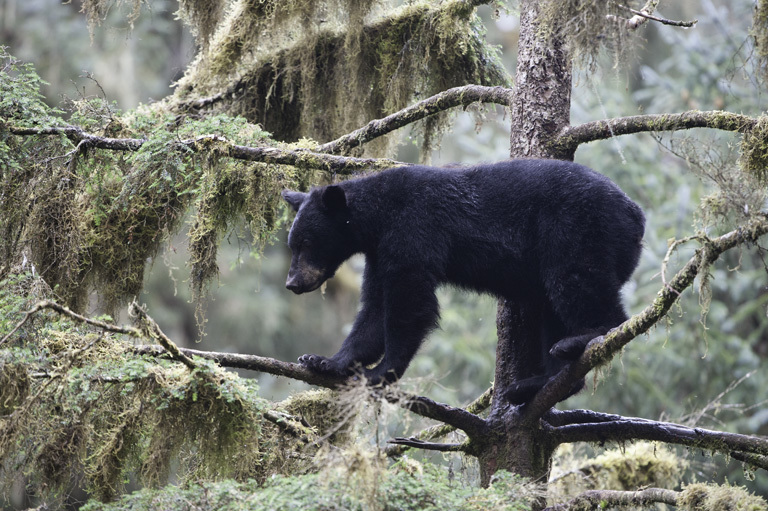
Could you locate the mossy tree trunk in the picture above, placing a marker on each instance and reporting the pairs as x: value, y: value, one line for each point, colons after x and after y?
x: 540, y: 109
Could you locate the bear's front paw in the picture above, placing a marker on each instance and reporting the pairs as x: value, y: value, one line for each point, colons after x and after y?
x: 321, y: 364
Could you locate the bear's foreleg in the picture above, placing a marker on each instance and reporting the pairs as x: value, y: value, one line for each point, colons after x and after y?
x: 365, y: 343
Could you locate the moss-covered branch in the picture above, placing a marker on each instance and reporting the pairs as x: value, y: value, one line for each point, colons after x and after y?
x: 420, y: 405
x: 602, y: 349
x: 573, y: 136
x: 298, y: 158
x: 254, y: 363
x: 457, y: 96
x: 601, y: 499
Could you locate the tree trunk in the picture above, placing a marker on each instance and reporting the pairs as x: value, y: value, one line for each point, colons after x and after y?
x: 541, y: 108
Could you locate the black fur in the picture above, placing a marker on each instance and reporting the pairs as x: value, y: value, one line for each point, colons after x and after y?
x: 538, y: 231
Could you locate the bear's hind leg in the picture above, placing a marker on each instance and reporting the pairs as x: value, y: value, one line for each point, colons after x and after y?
x: 411, y: 312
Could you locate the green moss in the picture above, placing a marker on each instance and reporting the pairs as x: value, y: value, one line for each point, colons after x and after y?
x: 427, y: 490
x: 759, y: 34
x: 713, y: 497
x: 754, y: 151
x: 639, y: 465
x: 105, y: 214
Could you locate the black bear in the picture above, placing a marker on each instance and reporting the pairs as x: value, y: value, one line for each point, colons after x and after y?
x: 549, y: 231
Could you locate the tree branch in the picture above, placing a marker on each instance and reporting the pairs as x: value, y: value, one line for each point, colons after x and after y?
x: 572, y: 136
x: 48, y: 304
x: 754, y: 460
x: 254, y: 363
x: 646, y: 13
x: 445, y: 100
x: 429, y: 446
x: 602, y: 349
x: 600, y: 499
x: 643, y: 429
x: 440, y: 430
x: 460, y: 419
x: 297, y: 158
x: 291, y: 426
x: 456, y: 417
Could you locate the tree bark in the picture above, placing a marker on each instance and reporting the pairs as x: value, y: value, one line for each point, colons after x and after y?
x: 540, y: 110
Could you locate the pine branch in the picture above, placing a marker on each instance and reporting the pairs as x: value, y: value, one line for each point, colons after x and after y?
x: 572, y: 136
x: 298, y: 157
x: 631, y: 428
x: 600, y: 499
x: 458, y: 96
x: 602, y: 349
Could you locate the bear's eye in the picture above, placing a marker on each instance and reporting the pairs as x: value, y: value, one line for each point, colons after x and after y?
x: 306, y: 244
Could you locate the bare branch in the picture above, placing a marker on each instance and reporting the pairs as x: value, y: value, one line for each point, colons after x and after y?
x: 600, y: 499
x: 573, y: 136
x: 429, y: 446
x: 564, y: 417
x: 754, y: 460
x: 298, y: 157
x: 440, y: 430
x: 602, y: 349
x: 646, y: 13
x: 445, y: 100
x: 643, y: 429
x: 456, y: 417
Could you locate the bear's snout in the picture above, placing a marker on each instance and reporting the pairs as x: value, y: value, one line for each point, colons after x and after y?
x: 293, y: 284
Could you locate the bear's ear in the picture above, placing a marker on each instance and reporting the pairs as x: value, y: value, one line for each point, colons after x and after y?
x: 334, y: 199
x: 295, y: 199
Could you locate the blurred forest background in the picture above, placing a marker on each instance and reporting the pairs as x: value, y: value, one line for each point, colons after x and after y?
x: 250, y: 311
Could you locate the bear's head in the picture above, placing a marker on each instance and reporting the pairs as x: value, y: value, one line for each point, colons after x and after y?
x: 319, y: 238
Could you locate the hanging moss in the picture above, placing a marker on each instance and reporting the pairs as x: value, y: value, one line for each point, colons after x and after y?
x: 202, y: 17
x: 754, y: 151
x: 589, y: 26
x: 93, y: 220
x: 96, y: 11
x: 759, y: 34
x: 334, y: 76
